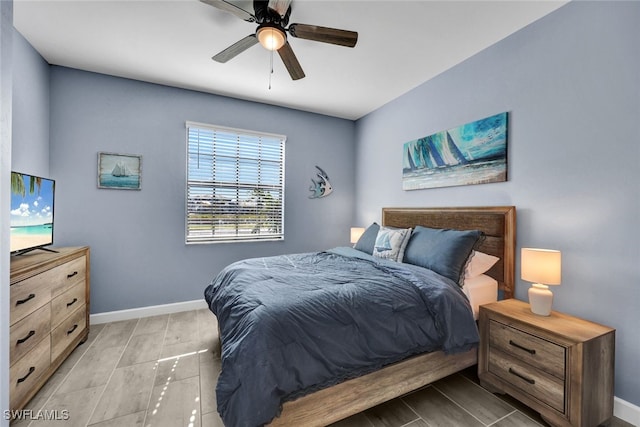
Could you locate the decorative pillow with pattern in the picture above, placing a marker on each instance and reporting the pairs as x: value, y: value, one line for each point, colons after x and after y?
x: 391, y: 243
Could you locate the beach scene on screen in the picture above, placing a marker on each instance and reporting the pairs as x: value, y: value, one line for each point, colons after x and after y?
x: 31, y: 212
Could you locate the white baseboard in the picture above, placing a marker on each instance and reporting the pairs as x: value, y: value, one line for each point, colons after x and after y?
x: 621, y: 409
x: 626, y: 411
x: 154, y: 310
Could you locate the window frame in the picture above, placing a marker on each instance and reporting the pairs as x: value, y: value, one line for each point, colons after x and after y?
x: 240, y: 133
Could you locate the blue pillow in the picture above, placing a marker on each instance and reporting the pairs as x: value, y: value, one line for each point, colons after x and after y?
x: 441, y: 250
x: 367, y: 241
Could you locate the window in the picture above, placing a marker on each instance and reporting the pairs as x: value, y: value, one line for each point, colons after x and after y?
x: 235, y: 185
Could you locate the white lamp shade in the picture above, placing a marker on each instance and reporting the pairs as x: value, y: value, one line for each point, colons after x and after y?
x: 356, y: 232
x: 271, y: 38
x: 541, y: 266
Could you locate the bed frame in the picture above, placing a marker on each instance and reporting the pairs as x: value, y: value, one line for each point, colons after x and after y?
x: 356, y: 395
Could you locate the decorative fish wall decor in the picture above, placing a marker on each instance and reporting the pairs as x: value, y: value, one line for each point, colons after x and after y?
x: 321, y: 187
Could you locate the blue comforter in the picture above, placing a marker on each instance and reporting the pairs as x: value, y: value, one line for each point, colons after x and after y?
x: 293, y: 324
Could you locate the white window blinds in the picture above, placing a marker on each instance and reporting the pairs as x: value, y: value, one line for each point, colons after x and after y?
x: 235, y: 185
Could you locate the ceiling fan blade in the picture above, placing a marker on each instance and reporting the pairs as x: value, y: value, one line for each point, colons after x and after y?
x: 280, y: 6
x: 236, y: 49
x: 324, y: 34
x: 231, y: 8
x: 291, y: 62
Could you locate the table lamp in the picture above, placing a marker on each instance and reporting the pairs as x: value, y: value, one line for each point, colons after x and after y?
x: 543, y: 268
x: 356, y: 232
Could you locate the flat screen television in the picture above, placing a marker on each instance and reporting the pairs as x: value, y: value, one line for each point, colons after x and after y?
x: 31, y: 216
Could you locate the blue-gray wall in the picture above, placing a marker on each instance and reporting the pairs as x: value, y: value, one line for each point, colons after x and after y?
x: 571, y: 85
x: 138, y: 254
x: 30, y: 109
x: 6, y: 107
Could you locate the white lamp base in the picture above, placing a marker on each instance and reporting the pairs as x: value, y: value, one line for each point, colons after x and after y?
x: 540, y: 299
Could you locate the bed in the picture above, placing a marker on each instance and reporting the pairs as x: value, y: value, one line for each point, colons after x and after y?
x: 420, y: 365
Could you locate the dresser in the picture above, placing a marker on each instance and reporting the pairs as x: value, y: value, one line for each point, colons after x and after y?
x: 49, y: 316
x: 559, y: 365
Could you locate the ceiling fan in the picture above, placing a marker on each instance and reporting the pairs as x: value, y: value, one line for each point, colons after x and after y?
x: 272, y: 17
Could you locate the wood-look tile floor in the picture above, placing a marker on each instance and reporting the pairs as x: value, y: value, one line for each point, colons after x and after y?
x: 161, y: 372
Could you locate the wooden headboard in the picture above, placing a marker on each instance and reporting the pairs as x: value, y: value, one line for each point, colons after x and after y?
x: 498, y: 223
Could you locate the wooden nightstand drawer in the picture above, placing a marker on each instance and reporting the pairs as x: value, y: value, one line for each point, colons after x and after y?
x: 539, y: 385
x: 540, y: 353
x: 25, y: 334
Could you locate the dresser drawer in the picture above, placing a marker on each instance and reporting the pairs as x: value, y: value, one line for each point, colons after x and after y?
x: 25, y: 334
x: 27, y: 371
x: 538, y: 384
x: 27, y: 296
x: 67, y: 331
x: 66, y: 275
x: 540, y: 353
x: 66, y: 303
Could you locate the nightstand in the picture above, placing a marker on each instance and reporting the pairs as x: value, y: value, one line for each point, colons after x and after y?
x: 561, y: 366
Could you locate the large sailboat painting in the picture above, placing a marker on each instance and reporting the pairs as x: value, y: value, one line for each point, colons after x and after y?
x: 474, y: 153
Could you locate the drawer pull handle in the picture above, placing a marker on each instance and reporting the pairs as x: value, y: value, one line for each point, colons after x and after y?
x: 528, y: 350
x: 517, y: 374
x: 69, y: 276
x: 29, y: 335
x: 70, y: 331
x: 22, y: 301
x: 31, y: 369
x: 69, y: 304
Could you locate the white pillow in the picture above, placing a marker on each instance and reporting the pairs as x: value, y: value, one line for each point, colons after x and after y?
x: 479, y: 263
x: 391, y: 243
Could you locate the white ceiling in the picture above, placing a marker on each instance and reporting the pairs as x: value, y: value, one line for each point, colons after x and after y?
x: 401, y: 44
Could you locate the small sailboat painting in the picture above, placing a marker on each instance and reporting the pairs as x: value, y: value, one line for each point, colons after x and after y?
x: 119, y: 171
x: 474, y: 153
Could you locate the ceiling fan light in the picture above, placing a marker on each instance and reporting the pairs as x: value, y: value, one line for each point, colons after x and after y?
x: 271, y: 38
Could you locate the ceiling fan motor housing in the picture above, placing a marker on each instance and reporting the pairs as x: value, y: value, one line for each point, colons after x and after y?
x: 265, y: 15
